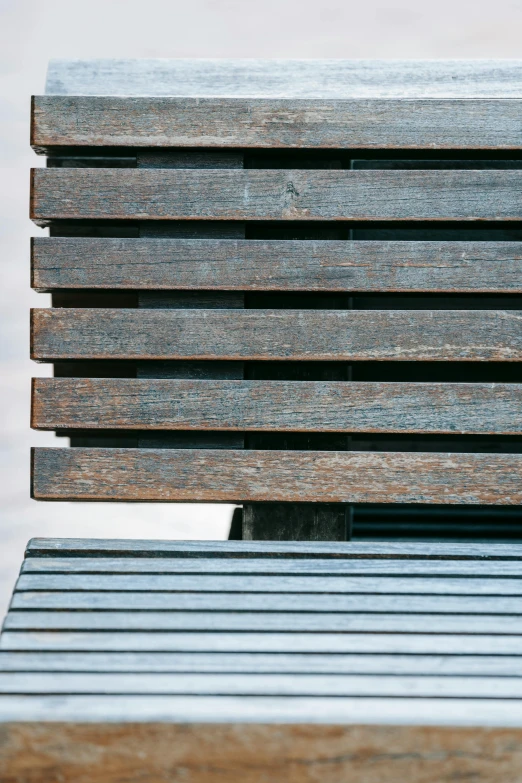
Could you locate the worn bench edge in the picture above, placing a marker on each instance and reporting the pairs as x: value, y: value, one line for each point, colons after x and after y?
x: 261, y: 709
x: 307, y: 78
x: 237, y: 476
x: 195, y: 750
x: 67, y: 547
x: 277, y: 123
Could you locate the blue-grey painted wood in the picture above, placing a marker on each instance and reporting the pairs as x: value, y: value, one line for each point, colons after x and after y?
x: 270, y: 601
x: 258, y: 642
x: 222, y: 709
x: 336, y: 79
x: 255, y: 684
x: 63, y: 547
x: 262, y: 622
x: 250, y: 566
x: 379, y: 585
x: 303, y: 663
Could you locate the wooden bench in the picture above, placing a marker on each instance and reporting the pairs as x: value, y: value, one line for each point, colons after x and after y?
x: 294, y: 287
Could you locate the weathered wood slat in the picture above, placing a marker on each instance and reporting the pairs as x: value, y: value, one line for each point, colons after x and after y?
x: 272, y: 78
x: 271, y: 602
x: 303, y: 663
x: 308, y: 335
x: 254, y: 684
x: 246, y: 566
x: 255, y: 194
x: 231, y: 476
x: 379, y: 585
x: 121, y: 547
x: 275, y: 123
x: 194, y: 641
x: 191, y: 299
x: 144, y: 740
x: 262, y: 622
x: 90, y: 403
x: 276, y: 265
x: 236, y: 709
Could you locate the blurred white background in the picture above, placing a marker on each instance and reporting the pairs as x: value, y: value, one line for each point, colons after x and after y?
x: 33, y: 32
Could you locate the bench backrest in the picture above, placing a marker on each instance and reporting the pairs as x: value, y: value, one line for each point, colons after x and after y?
x: 293, y: 286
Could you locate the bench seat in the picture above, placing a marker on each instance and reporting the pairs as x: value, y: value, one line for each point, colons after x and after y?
x: 127, y: 658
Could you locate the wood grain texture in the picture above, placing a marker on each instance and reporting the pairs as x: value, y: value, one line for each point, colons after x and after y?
x: 125, y: 403
x: 191, y: 299
x: 81, y: 121
x: 206, y: 475
x: 342, y: 679
x: 304, y: 601
x: 257, y: 194
x: 255, y: 684
x: 276, y: 265
x: 395, y: 550
x: 304, y: 663
x: 362, y: 584
x: 436, y: 614
x: 277, y: 566
x: 313, y: 335
x: 202, y: 753
x: 260, y: 622
x: 419, y: 643
x: 283, y: 78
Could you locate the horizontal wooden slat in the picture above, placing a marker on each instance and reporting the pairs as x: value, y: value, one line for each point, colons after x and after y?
x: 319, y: 335
x: 139, y: 404
x: 253, y: 684
x: 304, y: 663
x: 275, y: 123
x: 286, y: 265
x: 194, y: 641
x: 231, y: 476
x: 173, y: 583
x: 263, y: 622
x: 221, y: 194
x: 270, y: 602
x: 313, y: 78
x: 135, y: 547
x: 143, y: 737
x: 245, y: 566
